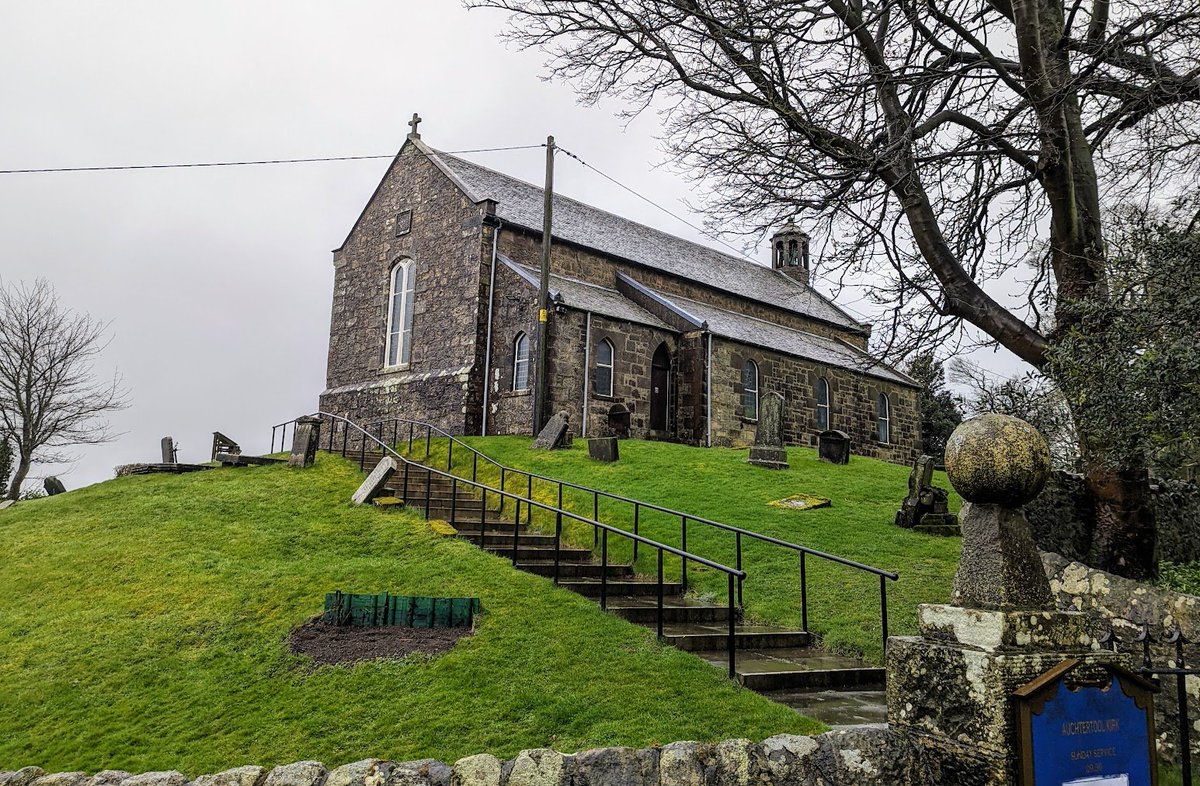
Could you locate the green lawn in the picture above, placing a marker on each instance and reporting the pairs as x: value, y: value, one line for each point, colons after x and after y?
x: 142, y: 626
x: 718, y: 484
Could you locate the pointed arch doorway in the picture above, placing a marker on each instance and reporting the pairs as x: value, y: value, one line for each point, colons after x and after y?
x: 660, y: 391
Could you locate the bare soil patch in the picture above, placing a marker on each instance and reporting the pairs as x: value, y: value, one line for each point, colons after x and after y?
x: 329, y: 644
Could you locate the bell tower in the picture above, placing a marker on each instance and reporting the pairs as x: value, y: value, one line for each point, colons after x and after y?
x: 789, y: 252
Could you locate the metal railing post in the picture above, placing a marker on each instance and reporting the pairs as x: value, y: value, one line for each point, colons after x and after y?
x: 428, y: 490
x: 604, y: 570
x: 659, y: 617
x: 683, y: 562
x: 738, y: 538
x: 273, y: 438
x: 454, y: 501
x: 636, y: 511
x: 883, y: 610
x: 529, y: 496
x: 428, y: 437
x: 732, y: 631
x: 557, y: 541
x: 803, y: 595
x: 516, y: 535
x: 1185, y: 724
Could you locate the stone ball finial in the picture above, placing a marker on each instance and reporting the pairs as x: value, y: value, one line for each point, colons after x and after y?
x: 997, y: 459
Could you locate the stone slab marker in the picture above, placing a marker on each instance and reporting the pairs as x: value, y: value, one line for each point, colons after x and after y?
x: 951, y: 687
x: 603, y: 449
x: 375, y: 482
x: 53, y: 486
x: 6, y: 503
x: 305, y: 438
x: 767, y: 450
x: 833, y: 446
x: 167, y: 445
x: 553, y: 434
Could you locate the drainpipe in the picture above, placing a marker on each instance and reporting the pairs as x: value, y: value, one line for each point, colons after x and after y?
x: 487, y: 358
x: 587, y: 370
x: 708, y: 393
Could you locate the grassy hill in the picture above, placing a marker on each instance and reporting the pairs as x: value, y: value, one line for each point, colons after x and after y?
x: 718, y: 484
x: 143, y: 625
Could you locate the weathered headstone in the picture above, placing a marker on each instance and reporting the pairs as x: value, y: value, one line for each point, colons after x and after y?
x: 6, y: 503
x: 603, y: 448
x: 223, y: 444
x: 167, y: 445
x: 375, y: 481
x: 553, y: 434
x: 767, y: 450
x: 951, y: 687
x: 925, y: 508
x: 833, y: 446
x: 305, y: 438
x: 53, y: 486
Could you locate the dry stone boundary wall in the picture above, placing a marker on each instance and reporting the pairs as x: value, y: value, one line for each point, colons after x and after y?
x: 856, y: 756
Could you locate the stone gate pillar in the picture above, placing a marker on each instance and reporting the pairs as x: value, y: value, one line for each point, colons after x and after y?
x: 951, y: 687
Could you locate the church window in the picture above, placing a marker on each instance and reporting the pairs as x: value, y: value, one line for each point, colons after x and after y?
x: 884, y: 418
x: 602, y: 376
x: 750, y: 390
x: 520, y: 380
x: 400, y: 314
x: 822, y: 404
x: 793, y: 253
x: 403, y: 222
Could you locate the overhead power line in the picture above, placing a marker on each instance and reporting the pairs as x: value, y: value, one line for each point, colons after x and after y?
x: 202, y: 164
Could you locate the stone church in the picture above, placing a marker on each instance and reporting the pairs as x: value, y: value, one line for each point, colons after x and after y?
x: 649, y: 336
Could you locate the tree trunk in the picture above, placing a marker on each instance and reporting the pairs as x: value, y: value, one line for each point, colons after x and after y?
x: 14, y: 488
x: 1123, y: 541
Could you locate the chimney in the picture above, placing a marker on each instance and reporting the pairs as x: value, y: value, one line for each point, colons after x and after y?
x: 789, y: 253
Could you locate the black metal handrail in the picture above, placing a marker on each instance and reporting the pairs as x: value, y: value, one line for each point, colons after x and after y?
x: 603, y: 530
x: 638, y: 507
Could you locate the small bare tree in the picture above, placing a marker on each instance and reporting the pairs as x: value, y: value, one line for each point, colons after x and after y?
x: 934, y: 145
x: 50, y: 398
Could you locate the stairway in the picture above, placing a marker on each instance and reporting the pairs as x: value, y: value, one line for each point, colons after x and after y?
x: 779, y: 663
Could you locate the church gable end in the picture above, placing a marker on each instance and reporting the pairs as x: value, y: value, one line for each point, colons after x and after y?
x: 406, y: 299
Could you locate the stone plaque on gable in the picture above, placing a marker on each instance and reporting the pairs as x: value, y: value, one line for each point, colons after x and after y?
x: 1099, y: 734
x: 767, y: 450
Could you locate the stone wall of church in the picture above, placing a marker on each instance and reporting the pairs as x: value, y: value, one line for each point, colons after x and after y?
x: 514, y: 310
x: 586, y: 265
x: 852, y: 402
x: 447, y: 245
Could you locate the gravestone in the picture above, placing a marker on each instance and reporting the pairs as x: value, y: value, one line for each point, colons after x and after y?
x: 223, y: 444
x: 167, y: 445
x: 305, y: 438
x: 833, y: 446
x: 618, y: 421
x: 553, y: 434
x: 925, y: 508
x: 767, y: 450
x: 7, y: 503
x: 603, y: 448
x: 53, y: 486
x: 951, y: 688
x: 375, y: 481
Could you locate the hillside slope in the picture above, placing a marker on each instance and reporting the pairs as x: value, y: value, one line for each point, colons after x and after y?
x: 143, y: 625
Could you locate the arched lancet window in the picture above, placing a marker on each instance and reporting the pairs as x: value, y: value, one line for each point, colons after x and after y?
x: 822, y: 404
x: 602, y: 374
x: 520, y: 379
x: 750, y: 390
x: 400, y: 314
x: 884, y: 418
x: 779, y: 254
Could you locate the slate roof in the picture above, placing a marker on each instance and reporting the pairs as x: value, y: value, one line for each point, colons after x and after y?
x: 589, y: 297
x: 521, y: 203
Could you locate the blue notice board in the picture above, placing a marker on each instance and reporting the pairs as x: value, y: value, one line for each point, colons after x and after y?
x: 1088, y: 734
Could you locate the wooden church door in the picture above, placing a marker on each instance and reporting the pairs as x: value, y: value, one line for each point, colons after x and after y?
x: 660, y: 394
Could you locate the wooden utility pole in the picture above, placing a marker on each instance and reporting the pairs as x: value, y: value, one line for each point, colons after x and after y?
x: 541, y: 384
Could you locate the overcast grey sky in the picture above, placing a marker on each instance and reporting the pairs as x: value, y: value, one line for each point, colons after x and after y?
x: 217, y: 281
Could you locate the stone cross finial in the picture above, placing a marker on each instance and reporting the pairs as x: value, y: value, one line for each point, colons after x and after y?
x: 997, y: 463
x: 416, y: 121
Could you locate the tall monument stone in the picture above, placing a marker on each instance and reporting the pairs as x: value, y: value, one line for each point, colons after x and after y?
x: 767, y: 450
x: 952, y: 686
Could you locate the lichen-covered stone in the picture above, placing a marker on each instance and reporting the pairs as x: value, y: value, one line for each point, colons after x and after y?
x: 354, y: 774
x: 681, y: 764
x: 732, y: 761
x: 480, y: 770
x: 110, y: 778
x: 615, y: 767
x: 165, y: 778
x: 540, y: 767
x: 301, y: 773
x: 999, y: 567
x: 997, y: 459
x: 871, y: 755
x: 249, y: 775
x: 788, y: 758
x: 22, y: 777
x: 423, y: 772
x: 62, y: 779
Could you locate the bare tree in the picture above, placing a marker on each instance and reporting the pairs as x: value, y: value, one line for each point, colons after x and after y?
x: 49, y: 396
x: 934, y: 145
